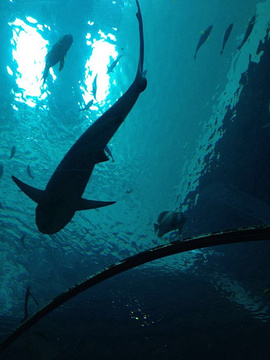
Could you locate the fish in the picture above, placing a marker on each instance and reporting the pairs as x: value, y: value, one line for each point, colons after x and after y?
x: 203, y: 39
x: 168, y: 221
x: 57, y: 54
x: 62, y: 197
x: 113, y: 64
x: 226, y: 37
x: 94, y: 87
x: 28, y: 169
x: 22, y: 238
x: 108, y: 151
x: 88, y: 105
x: 12, y: 152
x: 26, y: 300
x: 248, y: 31
x: 1, y: 170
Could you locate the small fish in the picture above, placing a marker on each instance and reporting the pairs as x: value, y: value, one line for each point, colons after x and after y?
x: 28, y: 169
x: 1, y: 170
x: 88, y: 105
x: 94, y: 87
x: 168, y: 221
x: 203, y: 39
x: 248, y: 31
x: 26, y: 300
x: 113, y: 64
x: 57, y: 54
x: 22, y: 238
x: 108, y: 151
x: 226, y: 37
x: 12, y: 152
x: 267, y: 291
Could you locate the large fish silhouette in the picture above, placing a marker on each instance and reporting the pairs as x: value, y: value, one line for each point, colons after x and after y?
x: 62, y: 196
x: 57, y: 54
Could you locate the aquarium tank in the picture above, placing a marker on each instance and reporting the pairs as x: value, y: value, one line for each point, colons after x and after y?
x: 135, y: 179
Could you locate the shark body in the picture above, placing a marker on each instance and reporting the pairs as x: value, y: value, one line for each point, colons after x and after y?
x: 62, y: 196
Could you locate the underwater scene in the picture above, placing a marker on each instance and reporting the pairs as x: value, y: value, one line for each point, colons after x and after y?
x: 135, y: 179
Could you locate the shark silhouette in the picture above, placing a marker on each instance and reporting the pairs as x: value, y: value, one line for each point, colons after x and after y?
x: 62, y: 196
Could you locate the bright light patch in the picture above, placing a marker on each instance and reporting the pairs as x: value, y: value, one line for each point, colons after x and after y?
x: 31, y: 20
x: 29, y: 51
x: 97, y: 64
x: 10, y: 72
x: 112, y: 37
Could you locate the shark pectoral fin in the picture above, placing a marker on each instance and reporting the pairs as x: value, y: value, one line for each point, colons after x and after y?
x: 61, y: 65
x: 100, y: 157
x: 85, y: 204
x: 34, y: 194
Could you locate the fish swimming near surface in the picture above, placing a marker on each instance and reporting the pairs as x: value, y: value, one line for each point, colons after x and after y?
x: 57, y: 54
x: 94, y: 87
x: 248, y: 31
x: 113, y: 64
x: 62, y: 197
x: 168, y: 221
x: 12, y: 152
x: 108, y: 151
x: 28, y: 169
x: 203, y: 39
x: 88, y: 105
x: 1, y: 170
x: 226, y: 37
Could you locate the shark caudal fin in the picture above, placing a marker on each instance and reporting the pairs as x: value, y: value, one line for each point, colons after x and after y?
x: 34, y: 194
x: 140, y: 77
x: 85, y: 204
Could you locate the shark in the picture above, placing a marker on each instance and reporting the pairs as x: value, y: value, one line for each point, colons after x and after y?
x: 62, y: 197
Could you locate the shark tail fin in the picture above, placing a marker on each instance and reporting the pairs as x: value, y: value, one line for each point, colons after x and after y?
x: 34, y: 193
x: 85, y: 204
x: 140, y: 77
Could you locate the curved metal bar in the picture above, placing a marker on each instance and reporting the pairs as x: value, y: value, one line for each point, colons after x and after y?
x: 257, y: 233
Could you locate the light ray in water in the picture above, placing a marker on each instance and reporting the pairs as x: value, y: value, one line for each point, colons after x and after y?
x: 97, y: 65
x: 29, y: 51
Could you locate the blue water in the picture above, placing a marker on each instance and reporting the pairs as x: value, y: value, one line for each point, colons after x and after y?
x: 196, y: 141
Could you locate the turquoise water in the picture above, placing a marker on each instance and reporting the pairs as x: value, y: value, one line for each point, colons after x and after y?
x: 196, y: 141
